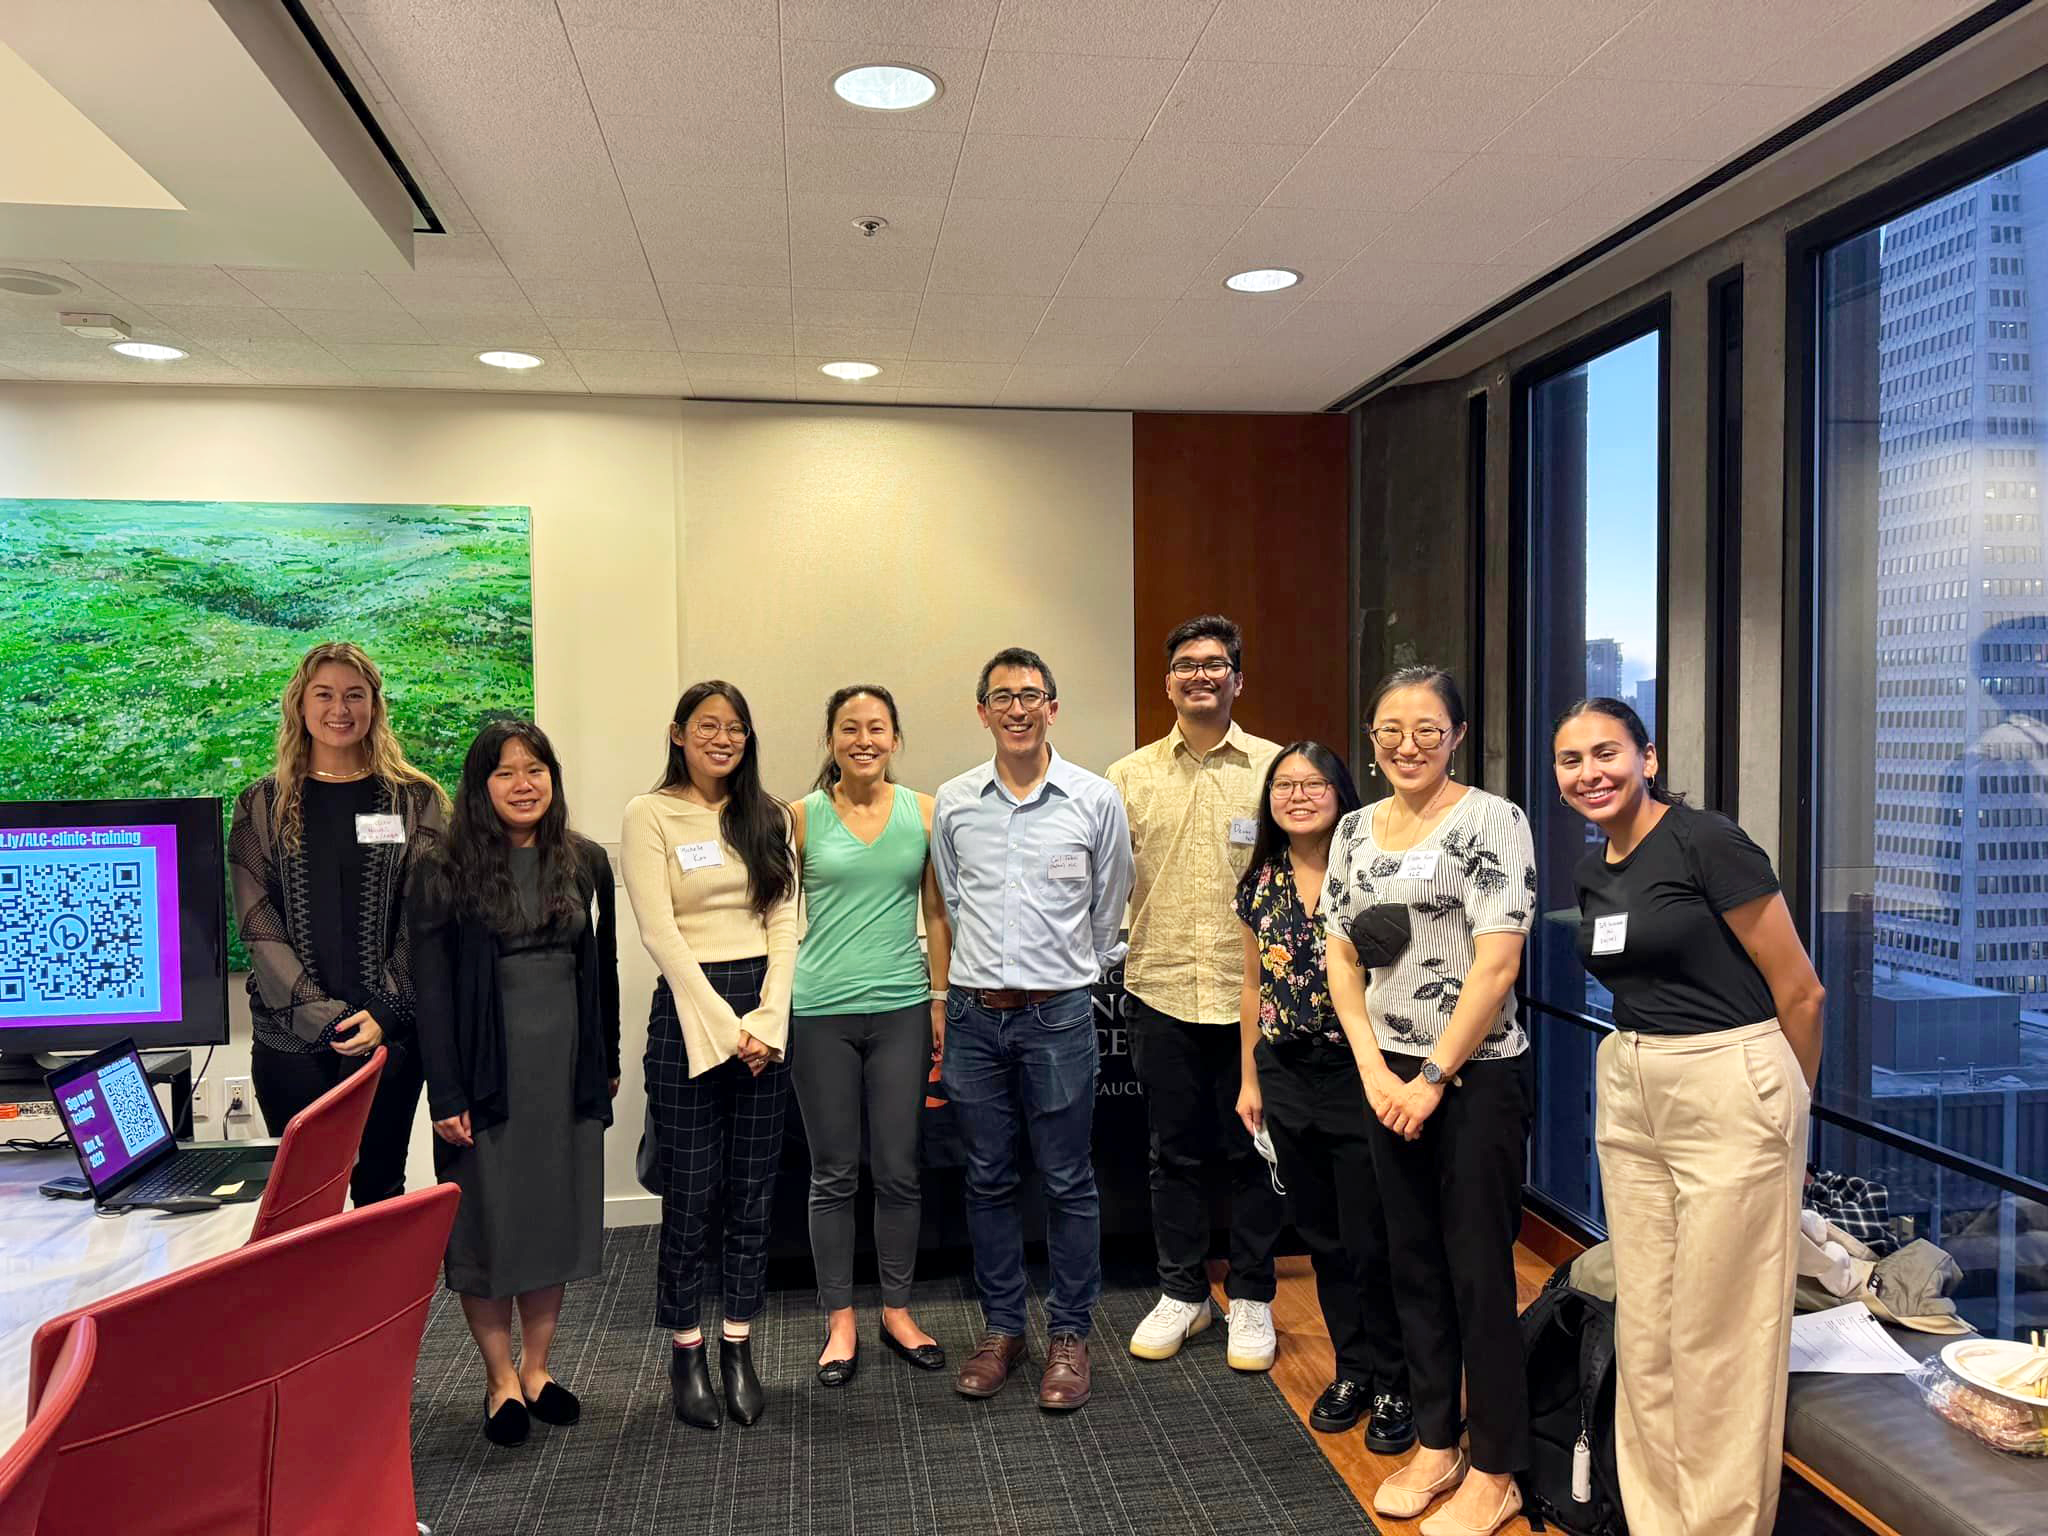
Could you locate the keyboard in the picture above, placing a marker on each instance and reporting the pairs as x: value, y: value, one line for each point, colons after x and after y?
x: 189, y: 1173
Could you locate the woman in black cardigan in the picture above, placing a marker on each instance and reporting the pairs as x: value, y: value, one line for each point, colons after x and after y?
x: 519, y: 1030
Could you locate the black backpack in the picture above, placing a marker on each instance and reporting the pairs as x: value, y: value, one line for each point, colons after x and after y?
x: 1568, y: 1359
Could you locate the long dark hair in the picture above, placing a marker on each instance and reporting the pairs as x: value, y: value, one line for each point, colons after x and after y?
x: 475, y: 859
x: 754, y: 824
x: 1625, y: 716
x: 1272, y: 841
x: 828, y: 775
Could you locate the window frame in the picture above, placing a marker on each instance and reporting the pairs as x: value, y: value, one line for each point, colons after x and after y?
x: 1726, y: 311
x: 1806, y: 248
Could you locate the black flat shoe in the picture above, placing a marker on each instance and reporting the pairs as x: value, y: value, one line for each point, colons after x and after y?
x: 926, y: 1357
x: 556, y: 1404
x: 509, y: 1425
x: 689, y: 1380
x: 1338, y: 1408
x: 837, y: 1373
x: 1391, y: 1429
x: 744, y: 1399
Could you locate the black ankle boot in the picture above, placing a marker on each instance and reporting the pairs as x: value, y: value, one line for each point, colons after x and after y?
x: 744, y: 1398
x: 689, y: 1378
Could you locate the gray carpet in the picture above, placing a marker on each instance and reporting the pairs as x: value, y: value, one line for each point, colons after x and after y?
x: 1187, y: 1446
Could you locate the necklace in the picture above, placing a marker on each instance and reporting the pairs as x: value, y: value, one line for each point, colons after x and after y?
x: 1422, y: 821
x: 342, y: 778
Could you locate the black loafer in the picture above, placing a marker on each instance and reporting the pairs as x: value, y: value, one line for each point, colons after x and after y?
x: 926, y: 1357
x: 1391, y: 1429
x: 1338, y: 1408
x: 689, y: 1380
x: 556, y: 1404
x: 837, y: 1373
x: 509, y: 1425
x: 744, y: 1400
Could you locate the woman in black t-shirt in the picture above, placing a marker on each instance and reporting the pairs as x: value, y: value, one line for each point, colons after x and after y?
x: 1703, y: 1095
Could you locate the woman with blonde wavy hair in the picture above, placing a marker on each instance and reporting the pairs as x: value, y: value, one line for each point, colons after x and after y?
x: 320, y: 854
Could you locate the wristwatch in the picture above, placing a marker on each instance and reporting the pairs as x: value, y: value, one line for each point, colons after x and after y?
x: 1432, y: 1074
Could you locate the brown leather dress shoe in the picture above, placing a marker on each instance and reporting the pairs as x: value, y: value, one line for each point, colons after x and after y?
x: 989, y: 1366
x: 1064, y: 1385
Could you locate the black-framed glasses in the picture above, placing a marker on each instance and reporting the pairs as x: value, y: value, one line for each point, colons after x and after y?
x: 1208, y: 666
x: 1313, y: 789
x: 1427, y: 738
x: 711, y: 730
x: 1032, y: 699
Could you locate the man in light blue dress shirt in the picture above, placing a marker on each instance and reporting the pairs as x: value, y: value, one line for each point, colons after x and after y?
x: 1033, y: 857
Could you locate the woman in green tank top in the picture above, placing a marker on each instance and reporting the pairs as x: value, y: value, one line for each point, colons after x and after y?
x: 867, y: 1016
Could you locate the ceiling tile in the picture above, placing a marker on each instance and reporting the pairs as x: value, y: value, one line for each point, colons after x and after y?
x: 760, y: 337
x: 1070, y: 383
x: 940, y: 23
x: 425, y: 294
x: 1081, y: 353
x: 725, y: 301
x: 738, y: 389
x: 691, y: 80
x: 1079, y: 94
x: 518, y: 329
x: 566, y: 250
x: 625, y: 334
x: 712, y: 216
x: 1685, y: 40
x: 1732, y: 124
x: 391, y: 325
x: 1195, y: 171
x: 593, y: 300
x: 982, y: 311
x: 866, y: 393
x: 703, y: 259
x: 828, y: 218
x: 641, y: 367
x: 1188, y: 351
x: 858, y: 343
x: 1078, y: 316
x: 1231, y: 317
x: 1383, y: 279
x: 755, y: 16
x: 1253, y: 103
x: 936, y: 342
x: 314, y: 290
x: 1157, y: 29
x: 1587, y: 115
x: 455, y: 256
x: 1436, y: 237
x: 954, y: 397
x: 1434, y: 109
x: 209, y: 324
x: 149, y: 284
x: 262, y: 358
x: 1355, y: 32
x: 992, y: 246
x: 921, y: 373
x: 1516, y: 186
x: 1026, y: 165
x: 650, y: 152
x: 853, y: 307
x: 765, y: 368
x: 809, y: 65
x: 1457, y: 32
x: 881, y: 163
x: 1308, y: 233
x: 1385, y: 179
x: 877, y: 266
x: 389, y: 358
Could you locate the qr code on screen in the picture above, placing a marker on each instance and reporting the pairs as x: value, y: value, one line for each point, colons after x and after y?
x: 73, y: 932
x: 133, y: 1110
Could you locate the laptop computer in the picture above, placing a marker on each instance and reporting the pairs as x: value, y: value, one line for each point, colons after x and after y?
x: 127, y: 1152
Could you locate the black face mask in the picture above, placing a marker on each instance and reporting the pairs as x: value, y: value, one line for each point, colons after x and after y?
x: 1380, y: 933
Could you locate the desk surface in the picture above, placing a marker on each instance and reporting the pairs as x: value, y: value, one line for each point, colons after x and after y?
x: 59, y: 1254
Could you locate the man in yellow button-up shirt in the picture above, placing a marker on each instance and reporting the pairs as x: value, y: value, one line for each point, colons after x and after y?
x: 1192, y: 800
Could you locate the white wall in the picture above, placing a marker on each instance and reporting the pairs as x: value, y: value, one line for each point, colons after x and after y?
x: 806, y: 545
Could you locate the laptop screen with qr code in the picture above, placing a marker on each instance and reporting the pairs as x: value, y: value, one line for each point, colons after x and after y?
x: 111, y: 1113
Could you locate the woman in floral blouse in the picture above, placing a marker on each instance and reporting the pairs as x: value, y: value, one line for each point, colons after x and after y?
x: 1301, y: 1085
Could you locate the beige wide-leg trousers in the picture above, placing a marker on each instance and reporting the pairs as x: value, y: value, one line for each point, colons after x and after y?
x: 1702, y: 1153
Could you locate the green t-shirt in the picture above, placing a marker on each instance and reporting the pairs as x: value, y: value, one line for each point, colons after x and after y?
x: 860, y: 953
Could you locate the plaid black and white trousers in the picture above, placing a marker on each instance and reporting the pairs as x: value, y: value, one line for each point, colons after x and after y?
x: 718, y: 1142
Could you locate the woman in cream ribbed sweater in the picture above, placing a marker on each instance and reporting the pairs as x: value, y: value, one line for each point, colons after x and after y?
x: 712, y: 879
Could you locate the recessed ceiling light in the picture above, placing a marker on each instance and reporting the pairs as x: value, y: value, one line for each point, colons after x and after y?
x: 1262, y: 280
x: 853, y: 373
x: 509, y: 359
x: 886, y: 87
x: 148, y: 351
x: 36, y: 284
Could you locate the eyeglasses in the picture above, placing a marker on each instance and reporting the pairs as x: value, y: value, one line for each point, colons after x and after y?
x: 711, y: 730
x: 1031, y: 698
x: 1427, y: 738
x: 1210, y: 666
x: 1313, y: 789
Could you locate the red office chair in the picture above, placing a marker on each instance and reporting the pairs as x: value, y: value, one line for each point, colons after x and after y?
x: 267, y: 1392
x: 25, y: 1468
x: 309, y: 1180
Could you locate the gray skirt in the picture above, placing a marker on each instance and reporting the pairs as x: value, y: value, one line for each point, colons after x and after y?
x: 532, y: 1212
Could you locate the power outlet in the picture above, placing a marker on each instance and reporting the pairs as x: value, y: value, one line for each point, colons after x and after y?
x: 206, y: 1101
x: 241, y: 1099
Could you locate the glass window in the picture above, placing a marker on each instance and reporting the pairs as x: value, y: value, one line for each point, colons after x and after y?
x: 1594, y: 496
x: 1930, y: 743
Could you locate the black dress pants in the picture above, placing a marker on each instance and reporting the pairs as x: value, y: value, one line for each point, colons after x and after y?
x: 1316, y: 1115
x: 1191, y: 1074
x: 1453, y: 1199
x: 287, y: 1081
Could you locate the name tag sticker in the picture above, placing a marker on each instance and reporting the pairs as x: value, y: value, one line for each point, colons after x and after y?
x: 699, y: 855
x: 1069, y: 866
x: 1419, y: 864
x: 1244, y: 831
x: 1610, y: 934
x: 388, y: 828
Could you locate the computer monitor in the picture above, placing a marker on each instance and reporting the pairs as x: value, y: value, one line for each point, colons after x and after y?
x: 113, y: 924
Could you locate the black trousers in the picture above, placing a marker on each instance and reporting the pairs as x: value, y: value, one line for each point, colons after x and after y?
x: 1316, y: 1115
x: 1453, y: 1199
x: 286, y: 1082
x: 1191, y: 1074
x: 719, y: 1139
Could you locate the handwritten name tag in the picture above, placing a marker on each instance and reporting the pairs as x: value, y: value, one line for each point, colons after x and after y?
x: 1610, y: 934
x: 387, y: 828
x: 1419, y: 864
x: 699, y: 856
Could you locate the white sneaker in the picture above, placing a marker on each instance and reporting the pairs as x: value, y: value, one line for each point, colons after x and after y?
x: 1251, y: 1336
x: 1168, y: 1326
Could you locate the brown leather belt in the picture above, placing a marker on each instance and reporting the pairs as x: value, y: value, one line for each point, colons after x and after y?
x: 1006, y: 999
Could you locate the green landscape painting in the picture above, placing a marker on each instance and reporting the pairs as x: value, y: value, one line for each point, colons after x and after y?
x: 144, y: 644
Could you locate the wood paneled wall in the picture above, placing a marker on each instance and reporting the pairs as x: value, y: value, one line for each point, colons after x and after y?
x: 1248, y: 516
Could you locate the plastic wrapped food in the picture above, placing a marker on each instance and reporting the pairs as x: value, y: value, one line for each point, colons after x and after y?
x: 2000, y: 1419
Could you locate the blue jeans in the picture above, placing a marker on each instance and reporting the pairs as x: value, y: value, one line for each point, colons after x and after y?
x: 1036, y: 1064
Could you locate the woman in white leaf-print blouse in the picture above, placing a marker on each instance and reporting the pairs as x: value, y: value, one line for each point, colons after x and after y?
x: 1425, y: 911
